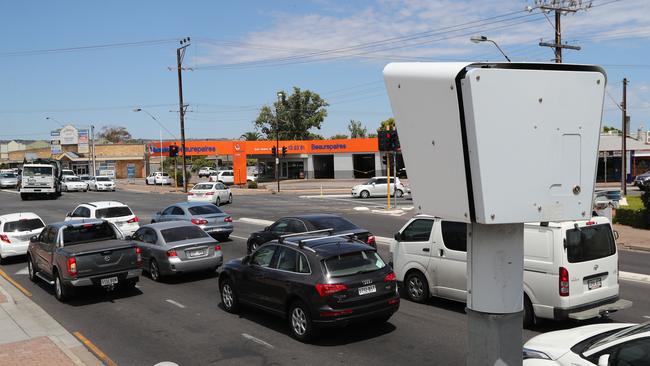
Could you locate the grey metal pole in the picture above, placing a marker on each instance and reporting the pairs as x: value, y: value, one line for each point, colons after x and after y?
x: 92, y: 137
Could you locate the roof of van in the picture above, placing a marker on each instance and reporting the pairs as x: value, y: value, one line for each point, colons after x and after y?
x: 557, y: 224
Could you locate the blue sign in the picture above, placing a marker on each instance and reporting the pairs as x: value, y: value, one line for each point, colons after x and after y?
x: 130, y: 170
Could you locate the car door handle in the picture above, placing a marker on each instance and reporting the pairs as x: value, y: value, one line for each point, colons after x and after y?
x: 441, y: 252
x: 426, y: 249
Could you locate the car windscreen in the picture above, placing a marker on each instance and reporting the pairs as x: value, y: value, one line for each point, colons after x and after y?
x: 204, y: 210
x: 183, y: 233
x: 23, y: 225
x: 8, y: 175
x: 203, y: 186
x: 110, y: 212
x: 87, y: 233
x: 103, y: 179
x: 589, y: 243
x: 31, y: 171
x: 332, y: 222
x: 353, y: 263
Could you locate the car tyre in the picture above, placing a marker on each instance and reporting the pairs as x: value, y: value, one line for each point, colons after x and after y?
x: 364, y: 194
x: 154, y: 271
x: 399, y: 193
x: 31, y: 269
x: 218, y: 202
x: 417, y: 287
x: 253, y: 247
x: 230, y: 198
x: 300, y: 323
x: 529, y: 313
x: 229, y: 298
x: 62, y: 292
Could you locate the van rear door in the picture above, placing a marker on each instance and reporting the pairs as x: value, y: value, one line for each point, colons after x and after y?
x: 591, y: 260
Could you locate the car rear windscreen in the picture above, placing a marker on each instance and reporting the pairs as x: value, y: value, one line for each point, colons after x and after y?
x: 333, y: 222
x: 353, y: 263
x: 183, y: 233
x: 103, y: 179
x: 204, y: 186
x: 204, y: 210
x: 596, y: 241
x: 8, y: 175
x: 110, y: 212
x: 23, y: 225
x: 87, y: 232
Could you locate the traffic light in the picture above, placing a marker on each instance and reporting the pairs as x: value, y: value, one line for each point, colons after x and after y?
x: 173, y: 151
x: 284, y: 151
x: 274, y: 151
x: 388, y: 140
x: 394, y: 141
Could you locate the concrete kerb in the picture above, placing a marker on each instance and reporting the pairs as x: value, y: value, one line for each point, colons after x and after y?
x: 22, y: 319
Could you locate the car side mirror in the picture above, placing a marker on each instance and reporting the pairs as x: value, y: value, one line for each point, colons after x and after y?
x: 128, y: 237
x: 616, y: 235
x: 603, y: 360
x: 158, y: 213
x: 267, y: 228
x: 398, y: 236
x: 33, y: 239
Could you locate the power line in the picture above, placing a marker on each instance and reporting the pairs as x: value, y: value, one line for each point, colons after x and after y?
x: 86, y: 48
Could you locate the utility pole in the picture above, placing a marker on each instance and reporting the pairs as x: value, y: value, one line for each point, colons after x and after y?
x: 92, y: 138
x: 624, y: 142
x: 277, y: 139
x: 559, y: 7
x: 180, y: 53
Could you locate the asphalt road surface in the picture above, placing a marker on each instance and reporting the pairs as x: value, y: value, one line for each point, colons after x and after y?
x: 181, y: 320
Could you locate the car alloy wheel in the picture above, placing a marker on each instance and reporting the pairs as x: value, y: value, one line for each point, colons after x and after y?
x: 400, y: 194
x: 364, y: 194
x: 154, y: 272
x: 299, y: 321
x: 30, y: 269
x: 229, y: 296
x: 417, y: 288
x: 218, y: 203
x: 230, y: 198
x: 226, y: 296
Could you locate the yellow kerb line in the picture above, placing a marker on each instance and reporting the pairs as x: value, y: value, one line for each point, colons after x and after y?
x: 16, y: 284
x: 94, y: 349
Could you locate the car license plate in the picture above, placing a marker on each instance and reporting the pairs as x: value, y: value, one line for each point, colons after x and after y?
x: 197, y: 253
x: 109, y: 281
x: 594, y: 284
x: 367, y: 290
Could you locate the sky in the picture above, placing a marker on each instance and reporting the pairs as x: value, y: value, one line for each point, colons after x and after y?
x: 91, y: 62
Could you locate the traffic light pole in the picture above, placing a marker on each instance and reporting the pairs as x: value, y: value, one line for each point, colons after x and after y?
x: 388, y: 179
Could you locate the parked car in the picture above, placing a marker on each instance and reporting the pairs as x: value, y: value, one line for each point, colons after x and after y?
x: 115, y: 212
x: 68, y: 173
x: 304, y: 223
x: 570, y: 268
x: 175, y: 247
x: 224, y: 176
x: 83, y: 253
x: 313, y: 282
x: 8, y: 180
x: 158, y: 178
x: 15, y: 231
x: 85, y: 177
x: 613, y: 344
x: 215, y: 193
x: 206, y: 172
x: 73, y: 183
x: 101, y: 183
x: 642, y: 180
x: 378, y: 187
x: 204, y: 215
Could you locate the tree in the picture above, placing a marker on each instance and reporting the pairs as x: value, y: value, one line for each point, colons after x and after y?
x: 314, y: 136
x: 339, y: 136
x: 357, y: 130
x: 372, y: 135
x: 199, y: 162
x: 297, y: 113
x: 607, y: 129
x: 388, y: 124
x: 251, y: 136
x: 114, y: 134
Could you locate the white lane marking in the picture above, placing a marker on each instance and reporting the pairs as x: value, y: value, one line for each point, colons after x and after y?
x: 166, y: 363
x: 23, y: 271
x: 9, y: 191
x: 647, y: 316
x: 255, y: 221
x: 257, y: 340
x: 238, y: 237
x: 637, y: 277
x: 362, y: 208
x: 328, y: 196
x: 175, y: 303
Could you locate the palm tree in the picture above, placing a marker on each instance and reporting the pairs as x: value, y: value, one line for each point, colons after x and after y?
x: 250, y: 136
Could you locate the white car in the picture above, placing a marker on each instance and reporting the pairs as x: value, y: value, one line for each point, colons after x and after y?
x: 73, y: 183
x: 216, y: 193
x: 612, y: 344
x: 101, y: 183
x: 570, y: 268
x: 206, y: 172
x: 112, y: 211
x: 15, y: 231
x: 67, y: 173
x: 158, y: 178
x: 378, y: 186
x: 224, y: 176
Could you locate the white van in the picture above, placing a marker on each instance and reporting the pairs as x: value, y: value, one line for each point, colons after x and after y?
x: 570, y: 268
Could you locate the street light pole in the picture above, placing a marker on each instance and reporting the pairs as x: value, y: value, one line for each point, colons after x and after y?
x: 479, y: 39
x: 277, y: 139
x: 180, y: 53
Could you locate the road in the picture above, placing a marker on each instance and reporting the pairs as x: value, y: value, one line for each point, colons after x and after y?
x: 181, y: 320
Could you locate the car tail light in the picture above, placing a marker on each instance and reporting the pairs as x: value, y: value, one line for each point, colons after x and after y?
x: 190, y: 194
x: 133, y: 220
x: 72, y: 266
x: 138, y: 255
x: 325, y: 289
x: 335, y: 313
x: 172, y: 253
x: 209, y: 193
x: 217, y: 248
x: 590, y: 223
x: 227, y: 219
x: 371, y: 240
x: 5, y: 238
x: 390, y: 277
x: 199, y: 221
x: 564, y: 282
x: 393, y: 301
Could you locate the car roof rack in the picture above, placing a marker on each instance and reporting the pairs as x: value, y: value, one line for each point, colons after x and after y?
x: 303, y: 241
x: 282, y: 237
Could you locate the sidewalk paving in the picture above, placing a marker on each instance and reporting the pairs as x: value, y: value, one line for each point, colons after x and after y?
x: 632, y: 238
x: 31, y: 337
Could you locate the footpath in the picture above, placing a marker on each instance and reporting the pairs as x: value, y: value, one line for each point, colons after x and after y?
x: 31, y: 337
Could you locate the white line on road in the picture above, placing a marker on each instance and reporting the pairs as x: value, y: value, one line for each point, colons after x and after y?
x: 175, y: 303
x: 257, y: 340
x: 637, y: 277
x: 23, y: 271
x: 254, y: 221
x: 238, y: 237
x: 9, y: 191
x: 647, y: 316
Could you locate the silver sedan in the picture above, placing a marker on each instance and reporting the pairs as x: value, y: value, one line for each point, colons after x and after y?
x: 204, y: 215
x: 169, y: 248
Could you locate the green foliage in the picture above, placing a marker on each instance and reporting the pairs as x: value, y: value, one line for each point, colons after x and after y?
x: 372, y: 135
x: 296, y: 114
x: 388, y: 124
x: 356, y: 129
x: 339, y: 136
x: 114, y: 134
x: 251, y: 136
x: 169, y: 169
x: 607, y: 129
x: 315, y: 136
x: 199, y: 162
x: 251, y: 184
x: 637, y: 214
x: 634, y: 202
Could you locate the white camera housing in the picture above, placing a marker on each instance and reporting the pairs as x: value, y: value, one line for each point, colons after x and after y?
x: 497, y: 143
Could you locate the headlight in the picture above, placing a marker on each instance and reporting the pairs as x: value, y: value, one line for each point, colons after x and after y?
x: 531, y: 353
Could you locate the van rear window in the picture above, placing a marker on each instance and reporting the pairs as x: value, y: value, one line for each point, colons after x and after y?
x: 596, y: 241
